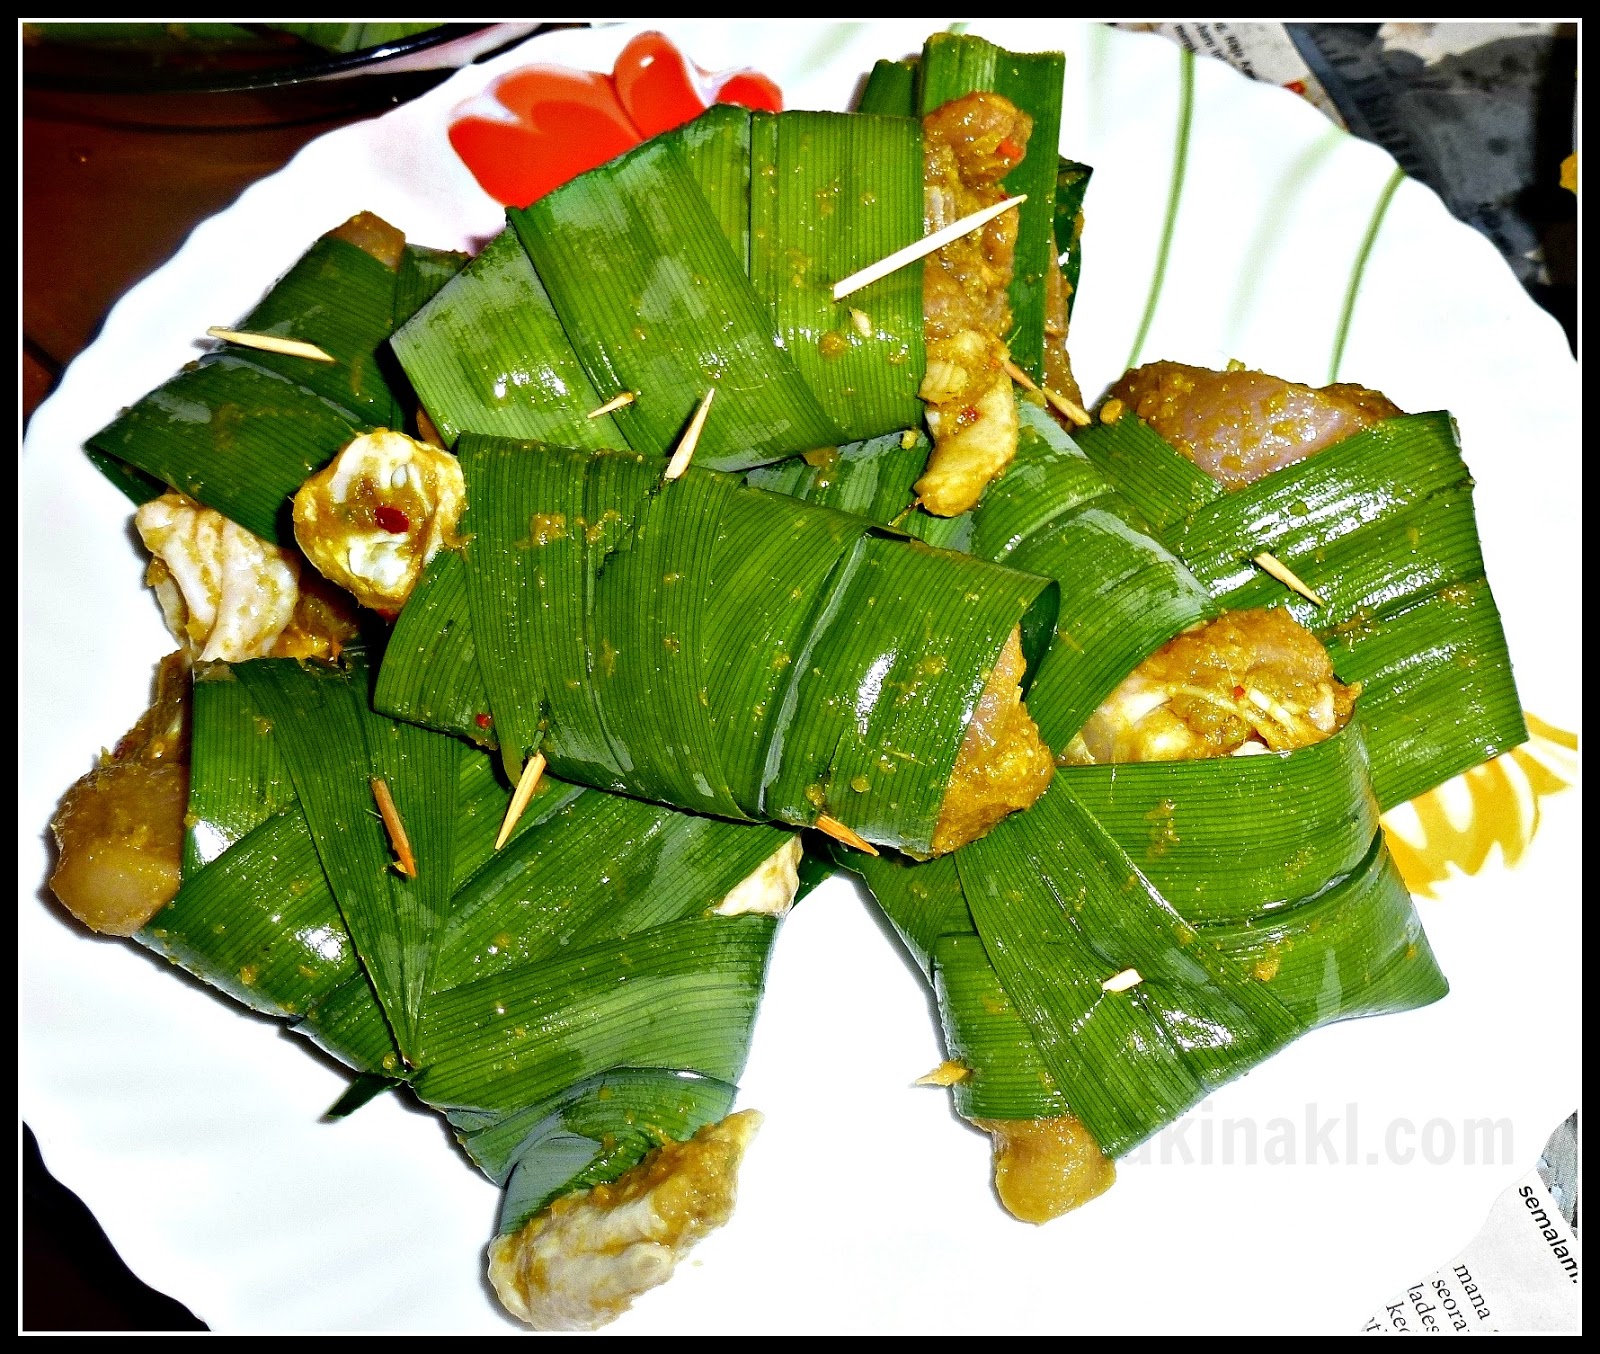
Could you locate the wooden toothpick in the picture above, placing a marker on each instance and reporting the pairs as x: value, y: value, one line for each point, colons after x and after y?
x: 405, y: 862
x: 1017, y: 374
x: 621, y: 401
x: 1285, y: 575
x: 526, y: 785
x: 1060, y: 403
x: 945, y: 1074
x: 1121, y: 982
x: 691, y: 437
x: 1073, y: 413
x: 271, y: 343
x: 929, y: 244
x: 840, y: 833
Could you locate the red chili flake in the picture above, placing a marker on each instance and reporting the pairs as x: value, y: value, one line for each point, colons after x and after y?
x: 482, y: 721
x: 1238, y: 693
x: 1008, y: 150
x: 392, y: 519
x: 968, y: 416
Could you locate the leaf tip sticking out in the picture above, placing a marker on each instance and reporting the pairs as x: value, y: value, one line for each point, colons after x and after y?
x: 366, y: 1087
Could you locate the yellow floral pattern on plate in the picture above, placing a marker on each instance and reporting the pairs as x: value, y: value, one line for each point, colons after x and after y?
x: 1493, y: 804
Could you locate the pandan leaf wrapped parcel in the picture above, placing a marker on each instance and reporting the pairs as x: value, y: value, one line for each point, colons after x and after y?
x: 1137, y: 939
x: 597, y: 909
x: 1224, y: 891
x: 702, y: 258
x: 1122, y: 594
x: 708, y: 644
x: 1381, y: 527
x: 240, y: 429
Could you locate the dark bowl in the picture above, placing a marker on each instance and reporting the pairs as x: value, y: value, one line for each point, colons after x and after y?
x: 223, y: 59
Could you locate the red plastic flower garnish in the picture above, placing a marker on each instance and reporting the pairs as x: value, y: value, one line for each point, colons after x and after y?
x: 535, y: 128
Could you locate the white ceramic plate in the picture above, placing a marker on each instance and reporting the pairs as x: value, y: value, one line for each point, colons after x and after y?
x: 192, y: 1129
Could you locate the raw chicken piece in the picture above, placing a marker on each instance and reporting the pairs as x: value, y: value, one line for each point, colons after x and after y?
x: 227, y: 594
x: 580, y: 1262
x: 1240, y: 425
x: 969, y: 146
x: 1250, y: 681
